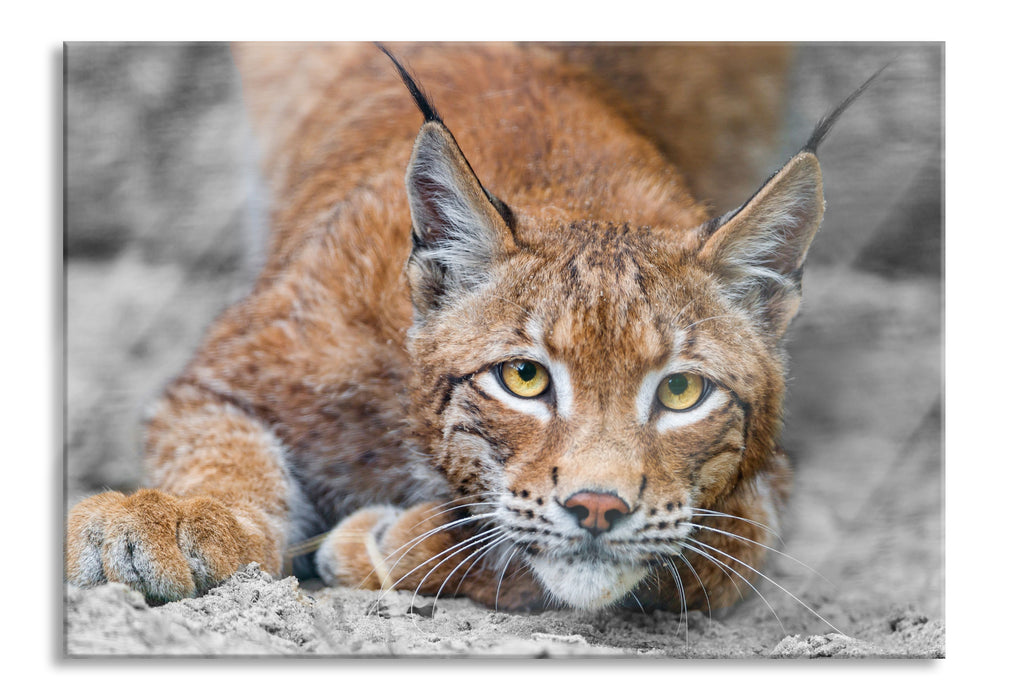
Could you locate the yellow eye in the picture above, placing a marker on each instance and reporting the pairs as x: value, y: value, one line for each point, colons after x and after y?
x: 525, y: 378
x: 681, y: 391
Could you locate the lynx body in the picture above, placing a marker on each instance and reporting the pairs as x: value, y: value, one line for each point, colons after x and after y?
x: 539, y: 373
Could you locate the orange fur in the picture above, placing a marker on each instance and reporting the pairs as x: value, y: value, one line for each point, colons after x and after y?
x: 327, y: 385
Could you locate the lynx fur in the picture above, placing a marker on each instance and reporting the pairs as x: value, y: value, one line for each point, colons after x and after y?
x: 536, y: 374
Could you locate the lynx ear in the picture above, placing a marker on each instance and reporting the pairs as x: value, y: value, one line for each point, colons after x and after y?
x: 459, y: 229
x: 759, y: 249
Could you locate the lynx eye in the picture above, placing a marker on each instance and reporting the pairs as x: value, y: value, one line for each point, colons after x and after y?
x: 682, y: 391
x: 524, y: 378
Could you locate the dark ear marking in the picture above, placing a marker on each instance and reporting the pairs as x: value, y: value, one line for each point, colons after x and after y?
x: 419, y: 96
x: 820, y: 132
x: 759, y: 249
x: 459, y: 230
x: 827, y: 122
x: 423, y: 102
x: 502, y: 208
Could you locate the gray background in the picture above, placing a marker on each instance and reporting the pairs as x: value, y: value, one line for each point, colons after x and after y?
x: 163, y: 230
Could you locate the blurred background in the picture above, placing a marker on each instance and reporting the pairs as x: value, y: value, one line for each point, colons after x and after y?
x: 165, y: 221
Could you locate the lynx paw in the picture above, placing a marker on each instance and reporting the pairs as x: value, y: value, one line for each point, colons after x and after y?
x: 386, y: 547
x: 418, y: 549
x: 163, y: 546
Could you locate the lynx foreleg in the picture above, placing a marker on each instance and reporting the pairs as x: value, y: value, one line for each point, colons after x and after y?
x: 220, y: 501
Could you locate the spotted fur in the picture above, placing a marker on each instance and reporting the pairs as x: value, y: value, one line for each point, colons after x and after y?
x: 356, y: 388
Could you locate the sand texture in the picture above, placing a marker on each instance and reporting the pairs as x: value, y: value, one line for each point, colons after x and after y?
x: 162, y: 233
x: 252, y: 614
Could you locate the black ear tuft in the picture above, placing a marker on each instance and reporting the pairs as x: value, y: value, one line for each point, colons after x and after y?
x: 419, y: 96
x: 759, y: 249
x: 826, y: 123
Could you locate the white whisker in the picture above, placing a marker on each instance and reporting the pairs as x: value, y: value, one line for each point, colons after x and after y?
x: 682, y: 311
x: 441, y: 528
x: 440, y: 512
x: 478, y: 539
x: 705, y: 513
x: 478, y: 553
x: 466, y: 542
x: 474, y: 563
x: 683, y: 604
x: 707, y: 601
x: 726, y: 570
x: 770, y: 580
x: 504, y: 568
x: 770, y: 549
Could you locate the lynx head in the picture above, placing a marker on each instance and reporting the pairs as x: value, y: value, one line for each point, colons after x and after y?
x: 591, y: 386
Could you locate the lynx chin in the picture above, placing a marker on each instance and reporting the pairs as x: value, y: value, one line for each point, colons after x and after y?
x: 526, y: 367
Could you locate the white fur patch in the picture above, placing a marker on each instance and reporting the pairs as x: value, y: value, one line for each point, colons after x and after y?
x: 89, y: 568
x: 532, y: 407
x: 767, y: 502
x: 645, y: 400
x: 668, y: 420
x: 587, y: 584
x: 560, y: 378
x: 89, y: 561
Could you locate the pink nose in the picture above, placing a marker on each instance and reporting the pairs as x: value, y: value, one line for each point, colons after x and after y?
x: 596, y: 512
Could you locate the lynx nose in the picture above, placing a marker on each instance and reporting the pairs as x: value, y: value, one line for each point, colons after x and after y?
x: 596, y: 512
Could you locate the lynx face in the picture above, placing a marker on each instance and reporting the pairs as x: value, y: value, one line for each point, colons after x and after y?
x: 587, y: 387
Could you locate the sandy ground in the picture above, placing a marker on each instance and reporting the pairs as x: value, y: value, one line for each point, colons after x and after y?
x: 252, y: 614
x: 161, y: 218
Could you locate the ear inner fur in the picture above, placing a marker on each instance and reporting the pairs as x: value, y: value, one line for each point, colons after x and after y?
x: 759, y: 252
x: 458, y: 230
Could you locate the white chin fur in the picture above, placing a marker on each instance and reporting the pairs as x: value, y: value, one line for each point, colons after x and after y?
x: 585, y: 584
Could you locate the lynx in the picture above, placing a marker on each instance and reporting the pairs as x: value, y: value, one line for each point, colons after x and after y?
x: 543, y: 377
